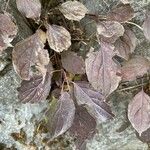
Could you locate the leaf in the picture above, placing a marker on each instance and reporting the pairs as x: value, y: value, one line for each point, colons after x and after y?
x: 83, y: 128
x: 126, y: 44
x: 29, y: 8
x: 30, y: 52
x: 93, y: 101
x: 72, y: 62
x: 110, y: 31
x: 73, y: 10
x: 139, y: 112
x: 36, y: 89
x: 8, y: 31
x: 101, y: 70
x: 42, y: 61
x: 121, y: 13
x: 146, y: 26
x: 135, y: 67
x: 61, y: 115
x: 59, y: 38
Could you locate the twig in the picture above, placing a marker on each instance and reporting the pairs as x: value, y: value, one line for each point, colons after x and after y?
x: 56, y: 71
x: 132, y: 23
x: 132, y: 87
x: 62, y: 88
x: 67, y: 81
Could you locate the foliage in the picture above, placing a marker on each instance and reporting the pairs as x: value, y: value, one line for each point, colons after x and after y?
x: 49, y: 61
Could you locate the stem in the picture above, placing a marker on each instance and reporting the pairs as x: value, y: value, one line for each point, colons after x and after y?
x: 62, y: 88
x: 132, y: 87
x: 96, y: 17
x: 67, y: 81
x: 56, y: 71
x: 132, y: 23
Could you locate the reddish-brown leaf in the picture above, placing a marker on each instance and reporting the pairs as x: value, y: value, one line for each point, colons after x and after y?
x: 37, y: 88
x: 73, y: 10
x: 110, y: 31
x: 93, y: 101
x: 61, y: 115
x: 135, y: 67
x: 42, y: 61
x: 101, y: 70
x: 59, y: 38
x: 8, y: 31
x: 30, y: 52
x: 126, y: 44
x: 72, y: 62
x: 30, y: 8
x: 83, y: 128
x: 139, y: 112
x: 146, y: 26
x: 121, y: 13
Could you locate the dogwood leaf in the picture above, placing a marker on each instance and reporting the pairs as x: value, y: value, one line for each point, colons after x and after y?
x: 101, y: 70
x: 61, y: 115
x: 138, y: 112
x: 30, y: 8
x: 37, y: 88
x: 83, y: 128
x: 121, y: 13
x: 126, y: 44
x: 8, y: 31
x: 135, y: 67
x: 73, y: 10
x: 93, y: 101
x: 110, y: 31
x: 59, y: 38
x: 30, y: 52
x: 72, y: 62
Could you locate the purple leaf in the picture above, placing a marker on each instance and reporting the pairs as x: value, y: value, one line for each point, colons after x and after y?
x: 102, y: 71
x: 121, y: 13
x: 73, y: 10
x: 135, y: 67
x: 30, y: 8
x: 8, y: 31
x: 83, y: 128
x: 72, y: 62
x: 59, y: 38
x: 110, y: 31
x: 36, y: 89
x: 30, y: 52
x: 126, y: 44
x: 61, y: 115
x: 93, y: 101
x: 138, y: 112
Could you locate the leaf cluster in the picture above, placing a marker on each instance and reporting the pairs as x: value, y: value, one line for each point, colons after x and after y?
x: 49, y: 64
